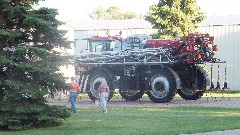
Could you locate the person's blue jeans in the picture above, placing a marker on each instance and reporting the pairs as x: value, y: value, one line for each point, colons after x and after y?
x: 73, y: 98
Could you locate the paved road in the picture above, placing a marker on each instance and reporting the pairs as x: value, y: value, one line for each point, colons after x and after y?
x: 225, y: 132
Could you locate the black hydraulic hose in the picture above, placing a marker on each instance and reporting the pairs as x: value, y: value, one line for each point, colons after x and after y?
x: 178, y: 49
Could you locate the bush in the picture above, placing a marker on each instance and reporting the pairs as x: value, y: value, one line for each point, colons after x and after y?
x: 22, y: 117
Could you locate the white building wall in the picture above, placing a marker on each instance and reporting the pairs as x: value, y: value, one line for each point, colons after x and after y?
x: 228, y: 40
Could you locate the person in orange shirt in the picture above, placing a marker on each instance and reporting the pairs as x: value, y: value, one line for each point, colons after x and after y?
x: 73, y: 93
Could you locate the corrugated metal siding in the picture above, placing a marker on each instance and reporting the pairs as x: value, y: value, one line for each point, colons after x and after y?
x: 228, y: 40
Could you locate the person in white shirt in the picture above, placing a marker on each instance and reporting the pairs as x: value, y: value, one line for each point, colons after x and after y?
x: 103, y: 92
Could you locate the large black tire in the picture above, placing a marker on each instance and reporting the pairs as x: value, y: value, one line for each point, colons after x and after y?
x: 131, y: 95
x: 162, y: 87
x: 94, y: 81
x: 193, y: 83
x: 131, y: 84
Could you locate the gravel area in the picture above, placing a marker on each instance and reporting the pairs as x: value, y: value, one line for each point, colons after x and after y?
x: 176, y: 102
x: 205, y: 102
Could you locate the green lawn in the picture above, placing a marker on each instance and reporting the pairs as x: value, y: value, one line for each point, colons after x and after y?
x: 143, y: 121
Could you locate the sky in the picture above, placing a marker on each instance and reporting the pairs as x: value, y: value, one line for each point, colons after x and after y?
x: 78, y: 10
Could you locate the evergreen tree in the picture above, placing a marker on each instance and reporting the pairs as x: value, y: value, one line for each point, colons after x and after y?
x: 174, y: 16
x: 29, y: 68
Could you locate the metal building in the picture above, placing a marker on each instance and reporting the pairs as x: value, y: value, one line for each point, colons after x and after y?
x: 226, y: 31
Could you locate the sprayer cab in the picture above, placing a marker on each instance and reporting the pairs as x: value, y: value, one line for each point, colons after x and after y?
x: 101, y: 44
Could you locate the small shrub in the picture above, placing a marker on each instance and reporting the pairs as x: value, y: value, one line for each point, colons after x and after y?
x: 22, y: 117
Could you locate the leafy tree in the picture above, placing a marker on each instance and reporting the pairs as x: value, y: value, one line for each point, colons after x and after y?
x: 174, y: 16
x: 111, y: 13
x: 29, y: 66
